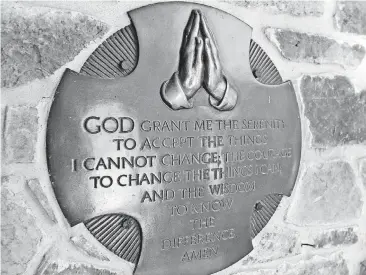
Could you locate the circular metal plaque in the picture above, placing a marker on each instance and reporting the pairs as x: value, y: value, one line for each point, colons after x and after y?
x: 176, y: 141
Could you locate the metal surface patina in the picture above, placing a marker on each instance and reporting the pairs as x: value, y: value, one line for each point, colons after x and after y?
x: 176, y: 141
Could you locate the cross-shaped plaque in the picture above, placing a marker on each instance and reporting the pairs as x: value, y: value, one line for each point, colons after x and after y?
x: 163, y: 147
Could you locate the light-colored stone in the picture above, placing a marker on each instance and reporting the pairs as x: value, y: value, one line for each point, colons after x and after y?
x: 335, y: 112
x: 363, y: 268
x: 258, y: 272
x: 36, y: 41
x: 350, y: 16
x: 327, y: 194
x: 36, y: 188
x: 295, y: 8
x: 335, y: 237
x: 87, y: 248
x: 317, y: 265
x: 3, y: 112
x: 20, y: 236
x: 311, y: 48
x: 363, y: 172
x: 21, y: 129
x: 273, y: 245
x: 2, y: 127
x: 55, y: 268
x: 331, y: 265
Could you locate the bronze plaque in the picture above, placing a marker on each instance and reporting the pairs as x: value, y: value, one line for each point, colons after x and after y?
x: 166, y: 141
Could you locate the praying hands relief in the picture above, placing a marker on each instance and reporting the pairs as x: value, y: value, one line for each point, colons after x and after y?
x: 199, y: 66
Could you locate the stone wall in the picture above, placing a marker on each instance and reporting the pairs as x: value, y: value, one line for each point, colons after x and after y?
x: 319, y: 46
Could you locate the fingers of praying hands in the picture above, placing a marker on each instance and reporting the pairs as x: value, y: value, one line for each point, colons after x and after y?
x: 213, y: 78
x: 199, y: 63
x: 190, y: 72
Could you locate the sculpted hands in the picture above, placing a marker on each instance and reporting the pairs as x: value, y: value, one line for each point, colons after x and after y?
x: 213, y: 77
x: 199, y: 66
x: 193, y: 54
x: 190, y: 61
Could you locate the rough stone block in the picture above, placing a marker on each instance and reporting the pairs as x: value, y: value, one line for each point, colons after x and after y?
x: 258, y: 272
x: 311, y: 48
x: 36, y: 41
x: 295, y: 8
x: 276, y: 244
x: 335, y: 237
x: 363, y: 268
x: 335, y: 112
x: 71, y: 269
x: 363, y: 172
x: 36, y: 188
x: 87, y: 248
x: 350, y: 16
x: 317, y: 265
x: 20, y: 137
x: 3, y: 114
x: 328, y: 194
x: 20, y: 236
x: 332, y: 265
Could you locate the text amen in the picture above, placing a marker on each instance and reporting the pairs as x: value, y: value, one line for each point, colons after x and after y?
x: 200, y: 254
